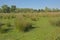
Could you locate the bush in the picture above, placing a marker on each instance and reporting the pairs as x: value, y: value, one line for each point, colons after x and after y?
x: 13, y: 16
x: 1, y: 24
x: 1, y: 16
x: 23, y: 25
x: 34, y: 19
x: 26, y: 26
x: 9, y: 25
x: 56, y: 23
x: 58, y: 38
x: 24, y: 15
x: 6, y: 16
x: 5, y: 28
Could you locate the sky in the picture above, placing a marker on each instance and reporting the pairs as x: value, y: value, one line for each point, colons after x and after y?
x: 35, y: 4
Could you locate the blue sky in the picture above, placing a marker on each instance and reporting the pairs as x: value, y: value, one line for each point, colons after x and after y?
x: 36, y: 4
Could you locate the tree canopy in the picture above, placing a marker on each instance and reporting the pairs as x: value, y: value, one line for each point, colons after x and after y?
x: 13, y: 8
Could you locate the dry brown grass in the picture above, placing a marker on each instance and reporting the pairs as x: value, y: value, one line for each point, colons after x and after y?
x: 50, y: 14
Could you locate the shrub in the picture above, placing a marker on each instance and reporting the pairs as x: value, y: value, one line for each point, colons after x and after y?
x: 9, y: 25
x: 24, y: 15
x: 5, y: 28
x: 56, y: 23
x: 1, y: 24
x: 13, y: 16
x: 34, y: 19
x: 58, y: 38
x: 8, y: 17
x: 26, y: 26
x: 23, y: 25
x: 1, y: 16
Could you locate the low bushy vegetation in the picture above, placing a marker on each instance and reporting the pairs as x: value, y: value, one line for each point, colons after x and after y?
x: 1, y: 17
x: 23, y: 24
x: 14, y: 9
x: 1, y: 24
x: 7, y: 16
x: 58, y: 38
x: 34, y: 18
x: 56, y: 23
x: 5, y: 27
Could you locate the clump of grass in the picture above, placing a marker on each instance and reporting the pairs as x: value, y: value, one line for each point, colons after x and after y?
x: 1, y: 17
x: 33, y: 16
x: 5, y: 28
x: 9, y: 25
x: 34, y: 19
x: 56, y: 23
x: 58, y: 38
x: 1, y: 24
x: 24, y: 15
x: 8, y: 17
x: 23, y: 24
x: 13, y: 17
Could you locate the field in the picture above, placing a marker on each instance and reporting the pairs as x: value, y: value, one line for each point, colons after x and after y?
x: 43, y: 30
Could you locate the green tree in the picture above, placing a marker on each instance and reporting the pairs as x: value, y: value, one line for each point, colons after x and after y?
x: 47, y: 9
x: 57, y: 10
x: 42, y: 10
x: 13, y: 8
x: 39, y: 10
x: 5, y: 9
x: 0, y: 10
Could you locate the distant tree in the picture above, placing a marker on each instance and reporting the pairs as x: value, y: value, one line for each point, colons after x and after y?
x: 0, y: 10
x: 17, y: 10
x: 39, y: 10
x: 5, y: 9
x: 42, y: 10
x: 47, y: 9
x: 24, y: 10
x: 53, y: 9
x: 35, y: 10
x: 13, y: 8
x: 57, y: 10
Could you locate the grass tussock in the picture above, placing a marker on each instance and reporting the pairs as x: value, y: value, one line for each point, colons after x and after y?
x: 5, y: 27
x: 55, y: 22
x: 58, y: 38
x: 23, y: 24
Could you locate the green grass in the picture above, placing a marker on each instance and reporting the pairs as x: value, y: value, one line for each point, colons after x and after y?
x: 43, y: 31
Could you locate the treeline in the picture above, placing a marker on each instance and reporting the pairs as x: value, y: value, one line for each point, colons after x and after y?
x: 14, y: 9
